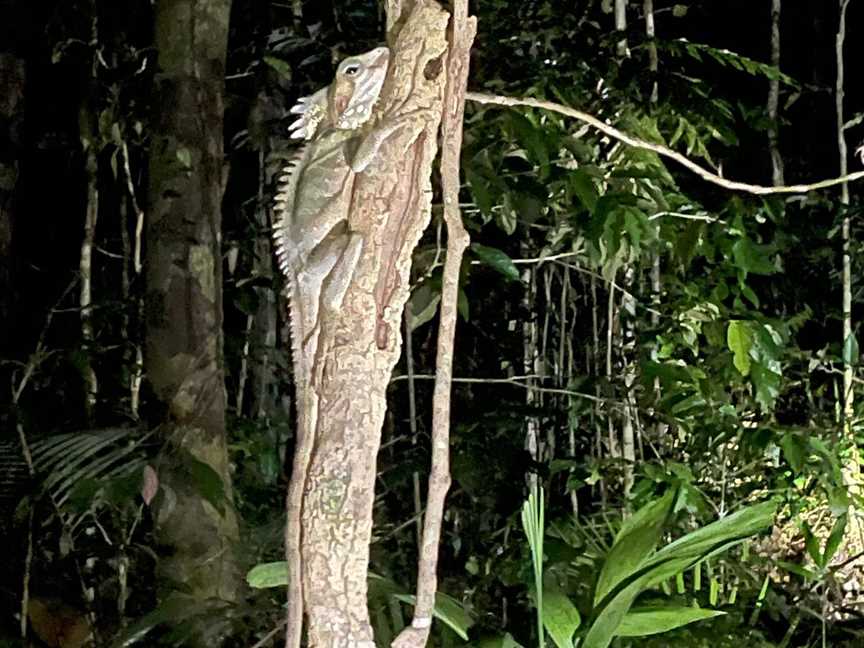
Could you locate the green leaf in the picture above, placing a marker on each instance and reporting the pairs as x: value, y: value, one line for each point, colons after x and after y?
x: 507, y: 218
x: 637, y: 538
x: 496, y: 259
x: 812, y: 545
x: 674, y: 558
x: 767, y: 384
x: 709, y: 540
x: 739, y: 339
x: 184, y: 156
x: 850, y: 350
x: 795, y: 450
x: 269, y: 464
x: 583, y: 186
x: 835, y: 539
x: 176, y: 609
x: 283, y: 68
x: 803, y: 572
x: 463, y: 305
x: 560, y: 617
x: 503, y: 641
x: 531, y: 137
x: 207, y: 481
x: 753, y: 258
x: 480, y: 191
x: 83, y: 495
x: 273, y: 574
x: 607, y: 622
x: 447, y: 610
x: 424, y: 304
x: 641, y: 622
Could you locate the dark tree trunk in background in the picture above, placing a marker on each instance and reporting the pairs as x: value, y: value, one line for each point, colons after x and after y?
x: 11, y: 112
x: 196, y: 524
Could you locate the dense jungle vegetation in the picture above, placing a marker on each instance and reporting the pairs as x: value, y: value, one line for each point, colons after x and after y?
x: 656, y: 417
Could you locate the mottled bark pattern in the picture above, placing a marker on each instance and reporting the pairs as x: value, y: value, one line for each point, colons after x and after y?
x: 360, y: 344
x: 183, y: 359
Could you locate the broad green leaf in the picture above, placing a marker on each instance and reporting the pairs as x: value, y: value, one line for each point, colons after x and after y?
x: 634, y: 543
x: 503, y: 641
x: 673, y: 559
x: 606, y: 624
x: 794, y: 450
x: 767, y: 384
x: 424, y: 303
x: 834, y: 540
x: 687, y: 241
x: 273, y: 574
x: 496, y: 259
x: 739, y: 339
x: 811, y: 543
x: 447, y: 610
x: 740, y: 524
x: 583, y: 186
x: 560, y: 617
x: 641, y: 622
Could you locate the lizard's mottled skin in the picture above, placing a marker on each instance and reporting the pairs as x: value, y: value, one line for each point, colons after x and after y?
x: 317, y: 252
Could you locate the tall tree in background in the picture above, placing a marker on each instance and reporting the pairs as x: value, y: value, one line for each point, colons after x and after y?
x: 194, y: 521
x: 11, y: 108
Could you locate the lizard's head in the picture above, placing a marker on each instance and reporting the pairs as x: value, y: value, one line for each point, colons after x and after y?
x: 347, y: 102
x: 356, y: 88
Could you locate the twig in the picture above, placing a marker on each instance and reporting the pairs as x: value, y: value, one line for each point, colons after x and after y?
x: 758, y: 190
x: 462, y: 34
x: 412, y: 420
x: 36, y: 358
x: 269, y: 635
x: 521, y: 381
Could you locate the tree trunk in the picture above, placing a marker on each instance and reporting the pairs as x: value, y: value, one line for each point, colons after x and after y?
x: 11, y: 110
x: 360, y: 344
x: 195, y: 522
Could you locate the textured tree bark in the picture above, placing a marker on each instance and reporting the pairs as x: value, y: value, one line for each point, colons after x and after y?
x: 462, y: 32
x: 360, y: 344
x: 777, y: 175
x: 11, y: 113
x: 183, y: 358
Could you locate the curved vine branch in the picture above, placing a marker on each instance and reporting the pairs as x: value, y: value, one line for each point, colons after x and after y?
x: 462, y: 31
x: 659, y: 149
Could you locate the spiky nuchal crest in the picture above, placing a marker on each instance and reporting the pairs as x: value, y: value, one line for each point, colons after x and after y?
x: 282, y: 209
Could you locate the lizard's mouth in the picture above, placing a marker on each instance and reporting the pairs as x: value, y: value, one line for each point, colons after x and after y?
x: 381, y: 56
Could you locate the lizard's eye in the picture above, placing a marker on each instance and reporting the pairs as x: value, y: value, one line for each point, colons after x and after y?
x: 351, y: 70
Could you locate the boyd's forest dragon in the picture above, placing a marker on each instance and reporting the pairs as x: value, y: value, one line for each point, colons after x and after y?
x: 318, y: 252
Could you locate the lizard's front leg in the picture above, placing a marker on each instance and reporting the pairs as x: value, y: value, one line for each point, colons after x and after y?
x: 368, y: 148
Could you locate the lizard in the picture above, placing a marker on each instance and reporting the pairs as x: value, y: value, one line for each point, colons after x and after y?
x: 317, y: 253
